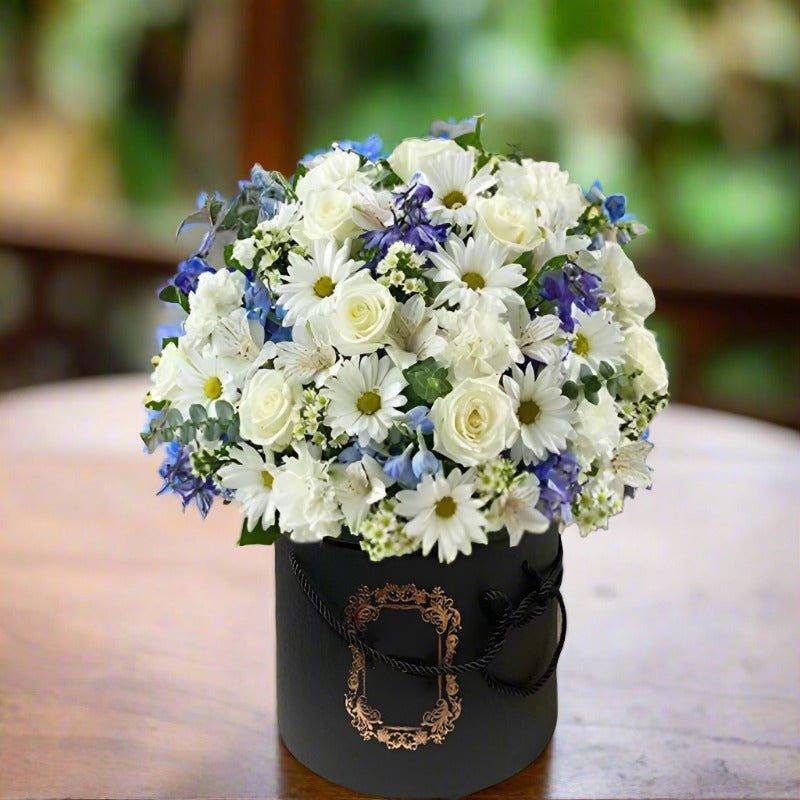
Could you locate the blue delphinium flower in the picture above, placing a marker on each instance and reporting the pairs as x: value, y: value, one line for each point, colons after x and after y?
x: 176, y: 470
x: 571, y: 287
x: 424, y: 462
x: 400, y: 469
x: 613, y: 206
x: 268, y: 190
x: 558, y: 485
x: 189, y: 272
x: 418, y: 419
x: 451, y: 128
x: 371, y: 147
x: 412, y: 224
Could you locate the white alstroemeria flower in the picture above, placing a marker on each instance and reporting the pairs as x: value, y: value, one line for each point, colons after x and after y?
x: 415, y: 155
x: 217, y: 295
x: 544, y: 414
x: 558, y: 243
x: 358, y: 487
x: 251, y: 476
x: 455, y: 189
x: 474, y: 422
x: 365, y: 398
x: 286, y: 216
x: 629, y: 466
x: 596, y: 429
x: 476, y: 343
x: 479, y: 269
x: 203, y: 379
x: 268, y: 408
x: 372, y: 209
x: 305, y: 497
x: 313, y: 284
x: 413, y: 334
x: 237, y: 340
x: 597, y: 337
x: 443, y: 512
x: 539, y: 338
x: 510, y: 221
x: 164, y: 378
x: 515, y: 510
x: 361, y: 319
x: 309, y: 357
x: 547, y: 188
x: 642, y: 356
x: 629, y: 293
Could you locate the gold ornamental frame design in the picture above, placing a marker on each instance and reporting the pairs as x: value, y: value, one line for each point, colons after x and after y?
x: 435, y: 608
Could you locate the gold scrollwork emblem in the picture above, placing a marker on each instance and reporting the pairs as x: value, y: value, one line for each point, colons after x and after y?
x: 435, y: 608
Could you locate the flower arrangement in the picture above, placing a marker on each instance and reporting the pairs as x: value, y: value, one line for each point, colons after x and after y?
x: 422, y: 350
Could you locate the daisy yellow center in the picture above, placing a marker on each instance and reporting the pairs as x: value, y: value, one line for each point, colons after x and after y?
x: 528, y: 412
x: 454, y: 199
x: 445, y: 508
x: 267, y: 478
x: 324, y: 287
x: 581, y: 345
x: 369, y: 403
x: 474, y: 280
x: 212, y: 388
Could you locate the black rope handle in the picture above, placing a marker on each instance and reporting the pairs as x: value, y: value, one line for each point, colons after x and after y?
x: 534, y: 604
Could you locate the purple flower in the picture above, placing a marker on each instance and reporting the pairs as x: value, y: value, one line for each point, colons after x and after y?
x: 411, y: 225
x: 558, y: 485
x: 188, y: 273
x: 568, y: 287
x: 176, y: 470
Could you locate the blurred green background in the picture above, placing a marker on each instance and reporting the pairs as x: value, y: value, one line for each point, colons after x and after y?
x: 114, y: 115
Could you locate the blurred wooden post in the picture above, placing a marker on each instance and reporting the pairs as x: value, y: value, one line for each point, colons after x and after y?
x: 271, y: 87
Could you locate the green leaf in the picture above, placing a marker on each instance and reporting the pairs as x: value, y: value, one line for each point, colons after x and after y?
x: 428, y: 380
x: 592, y: 397
x: 169, y: 340
x: 606, y: 370
x: 198, y: 414
x: 173, y: 417
x: 258, y: 535
x: 224, y: 410
x: 570, y: 389
x: 473, y: 138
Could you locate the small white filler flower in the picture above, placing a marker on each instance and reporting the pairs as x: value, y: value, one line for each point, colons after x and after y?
x: 442, y: 511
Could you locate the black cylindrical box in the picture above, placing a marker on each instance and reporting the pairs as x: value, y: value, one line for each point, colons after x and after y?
x: 368, y: 727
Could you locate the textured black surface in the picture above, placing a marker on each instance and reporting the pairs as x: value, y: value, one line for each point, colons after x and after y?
x: 495, y: 735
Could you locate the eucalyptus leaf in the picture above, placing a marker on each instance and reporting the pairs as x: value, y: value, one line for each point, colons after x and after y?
x: 224, y: 410
x: 198, y: 414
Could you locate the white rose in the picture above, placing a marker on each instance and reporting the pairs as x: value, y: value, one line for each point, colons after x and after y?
x: 630, y: 292
x: 414, y: 155
x: 333, y: 170
x: 363, y: 313
x: 217, y: 295
x: 267, y: 409
x: 543, y: 184
x: 641, y: 354
x: 327, y: 215
x: 475, y: 422
x: 512, y: 222
x: 165, y: 375
x: 596, y: 428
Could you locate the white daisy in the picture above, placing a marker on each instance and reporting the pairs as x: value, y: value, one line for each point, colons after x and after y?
x: 203, y: 379
x: 251, y: 477
x: 443, y: 512
x: 313, y: 284
x: 544, y: 413
x: 539, y: 338
x: 597, y: 337
x: 365, y: 398
x: 515, y: 510
x: 455, y: 188
x: 478, y: 269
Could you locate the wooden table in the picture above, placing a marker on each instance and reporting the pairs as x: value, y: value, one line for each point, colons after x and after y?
x: 136, y: 643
